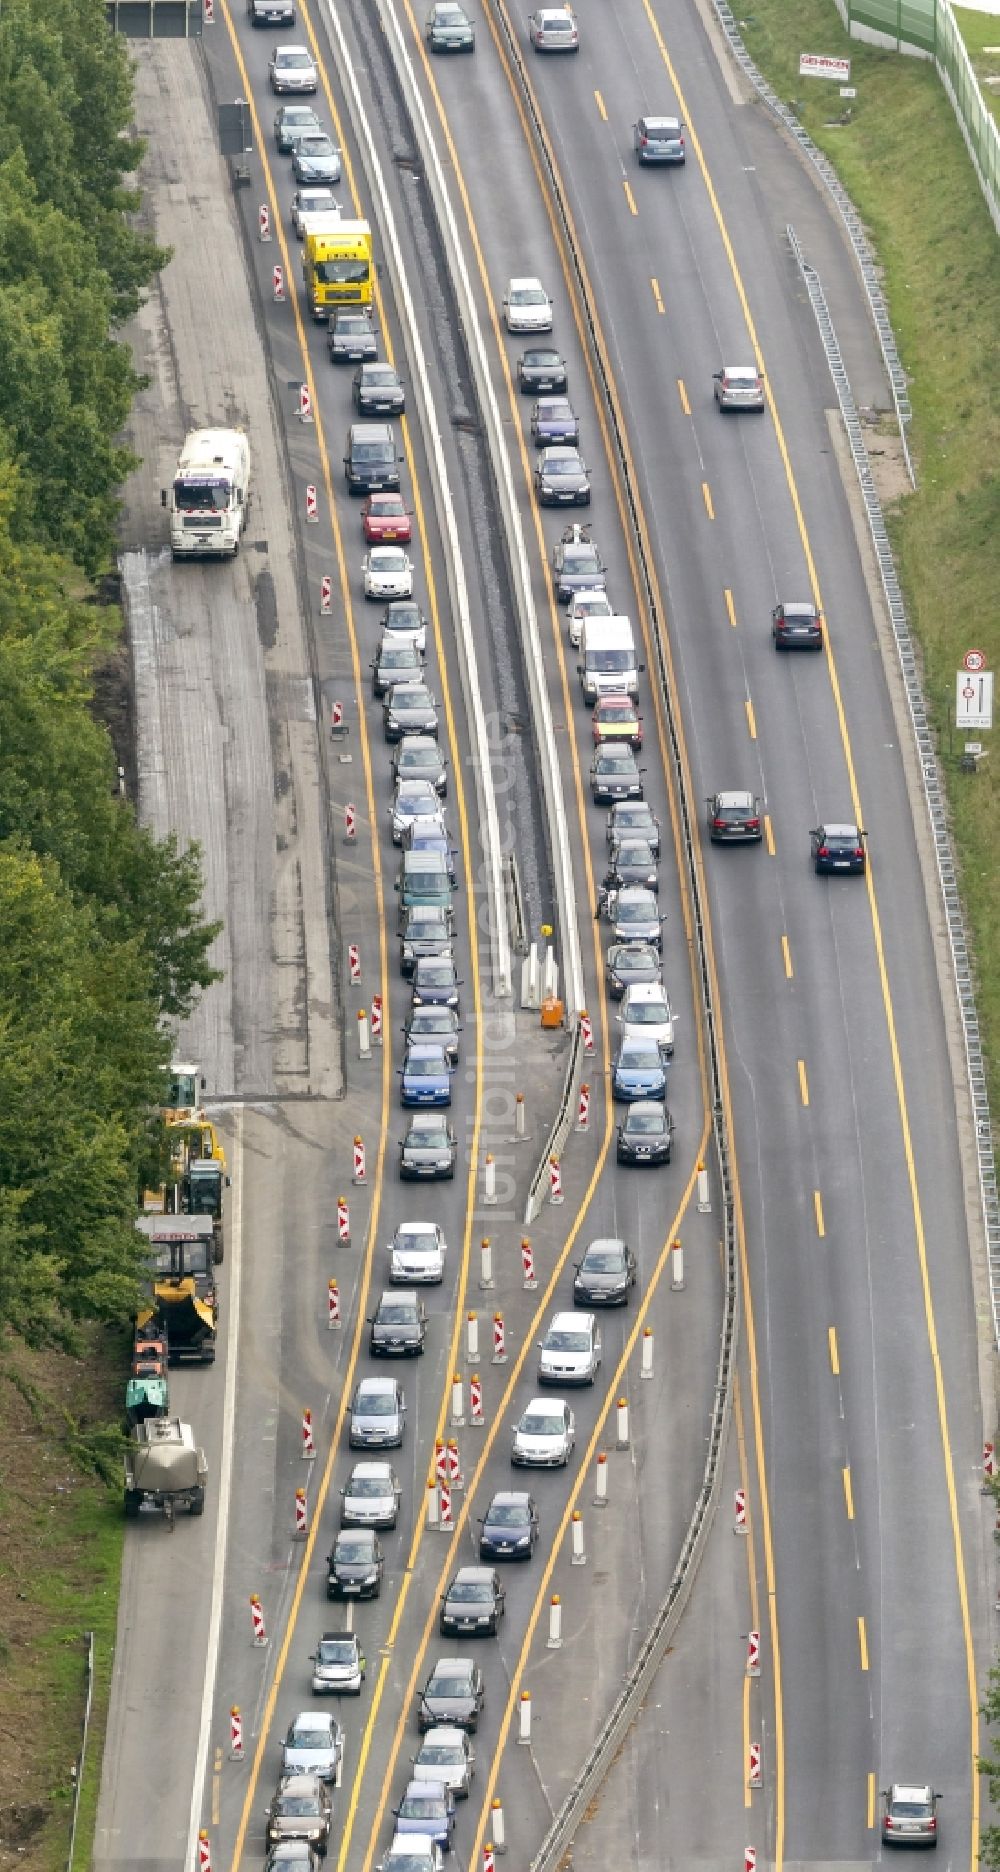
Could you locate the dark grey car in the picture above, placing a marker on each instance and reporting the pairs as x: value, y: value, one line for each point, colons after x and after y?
x: 607, y: 1273
x: 632, y: 862
x: 453, y: 1694
x: 378, y: 391
x: 409, y: 708
x: 291, y: 122
x: 629, y: 962
x: 561, y: 478
x: 350, y: 337
x: 634, y: 819
x: 394, y: 663
x: 435, y: 1023
x: 398, y: 1325
x: 474, y: 1603
x: 428, y: 932
x: 541, y: 368
x: 646, y: 1134
x: 429, y: 1149
x: 614, y: 775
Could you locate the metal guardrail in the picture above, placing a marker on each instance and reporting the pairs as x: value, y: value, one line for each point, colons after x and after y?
x: 933, y: 786
x: 864, y: 257
x: 82, y: 1757
x: 560, y: 1128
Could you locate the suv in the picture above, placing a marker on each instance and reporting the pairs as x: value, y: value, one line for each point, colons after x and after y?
x: 909, y: 1815
x: 398, y: 1325
x: 301, y: 1808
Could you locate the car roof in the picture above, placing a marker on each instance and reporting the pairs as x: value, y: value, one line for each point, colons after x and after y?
x: 371, y: 1467
x: 281, y: 51
x: 411, y: 1843
x: 544, y: 1404
x: 427, y: 1121
x: 561, y: 450
x: 660, y: 123
x: 452, y: 1665
x: 735, y: 796
x: 796, y: 608
x: 424, y: 1228
x: 299, y: 1784
x: 565, y: 1322
x: 607, y: 1241
x: 524, y: 280
x: 510, y: 1497
x: 645, y: 991
x: 617, y: 696
x: 393, y: 1294
x: 646, y: 1108
x: 425, y: 1789
x: 313, y: 1719
x: 475, y: 1573
x: 908, y: 1790
x: 375, y: 1382
x: 446, y: 1732
x: 840, y: 831
x: 740, y: 370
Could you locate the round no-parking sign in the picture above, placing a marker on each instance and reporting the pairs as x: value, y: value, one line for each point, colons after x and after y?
x: 974, y: 661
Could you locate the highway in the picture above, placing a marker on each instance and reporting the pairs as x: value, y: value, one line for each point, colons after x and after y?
x: 859, y: 1422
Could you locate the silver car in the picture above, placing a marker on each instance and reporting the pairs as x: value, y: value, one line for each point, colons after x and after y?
x: 312, y: 200
x: 292, y: 68
x: 338, y: 1665
x: 313, y: 1744
x: 446, y: 1754
x: 378, y: 1412
x: 909, y: 1815
x: 739, y: 386
x: 646, y: 1014
x: 370, y: 1496
x: 545, y: 1436
x: 570, y: 1353
x: 417, y: 1250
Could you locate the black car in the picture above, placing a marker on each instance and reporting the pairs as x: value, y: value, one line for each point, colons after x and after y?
x: 453, y: 1695
x: 540, y: 368
x: 614, y: 775
x: 607, y: 1273
x: 734, y: 818
x: 378, y: 391
x: 645, y: 1136
x: 436, y: 982
x: 429, y: 1149
x: 350, y: 337
x: 838, y: 848
x: 409, y: 708
x: 576, y: 564
x: 398, y: 1325
x: 561, y: 478
x: 435, y: 1023
x: 271, y: 12
x: 427, y: 931
x: 628, y: 962
x: 473, y: 1604
x: 797, y: 627
x: 509, y: 1528
x: 634, y: 819
x: 632, y: 862
x: 354, y: 1565
x: 395, y: 663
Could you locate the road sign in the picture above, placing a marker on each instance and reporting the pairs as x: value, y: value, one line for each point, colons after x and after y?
x: 974, y: 661
x: 816, y: 65
x: 973, y: 699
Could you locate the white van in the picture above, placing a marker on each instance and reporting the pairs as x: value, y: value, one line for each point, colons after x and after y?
x: 609, y: 665
x: 210, y: 494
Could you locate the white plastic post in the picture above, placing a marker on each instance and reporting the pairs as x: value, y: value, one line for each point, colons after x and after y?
x: 432, y: 1504
x: 646, y: 1367
x: 489, y: 1181
x: 676, y: 1267
x: 622, y: 1408
x: 499, y: 1829
x: 364, y: 1037
x: 457, y: 1402
x: 485, y: 1265
x: 524, y: 1729
x: 519, y: 1126
x: 555, y: 1624
x: 579, y: 1556
x: 704, y: 1199
x: 601, y: 1485
x: 472, y: 1339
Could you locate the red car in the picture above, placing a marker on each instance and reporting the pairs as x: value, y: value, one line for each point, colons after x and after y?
x: 383, y: 518
x: 616, y: 718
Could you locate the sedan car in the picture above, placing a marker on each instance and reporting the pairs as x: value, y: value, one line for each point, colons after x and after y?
x: 312, y: 200
x: 370, y: 1496
x: 418, y: 756
x: 630, y: 962
x: 387, y: 572
x: 313, y: 1744
x: 541, y: 369
x: 426, y: 1807
x: 377, y: 390
x: 354, y: 1565
x: 576, y: 564
x: 409, y: 709
x: 449, y: 28
x: 614, y: 775
x: 553, y: 419
x: 570, y: 1353
x: 447, y: 1755
x: 545, y: 1436
x: 292, y: 68
x: 405, y: 618
x: 453, y: 1694
x: 527, y: 306
x: 417, y: 1251
x: 350, y: 339
x: 646, y: 1014
x: 634, y: 817
x: 398, y: 1325
x: 436, y: 982
x: 474, y: 1603
x: 561, y: 478
x: 291, y: 122
x: 429, y: 1150
x: 734, y: 818
x: 378, y: 1412
x: 658, y: 140
x: 617, y: 718
x: 509, y: 1528
x: 738, y: 386
x: 301, y: 1808
x: 646, y: 1134
x: 553, y: 29
x: 837, y: 848
x: 435, y: 1023
x: 909, y: 1815
x: 607, y: 1273
x: 635, y: 915
x: 632, y: 862
x: 416, y: 800
x: 583, y: 605
x: 393, y: 663
x: 425, y: 1075
x: 338, y: 1665
x: 386, y: 517
x: 316, y: 158
x: 638, y: 1072
x: 427, y: 935
x: 797, y: 627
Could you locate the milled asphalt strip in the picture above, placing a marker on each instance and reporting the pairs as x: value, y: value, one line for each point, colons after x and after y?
x: 235, y: 1245
x: 446, y: 514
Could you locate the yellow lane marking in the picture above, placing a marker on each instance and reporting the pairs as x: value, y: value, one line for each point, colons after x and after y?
x: 818, y: 1206
x: 863, y: 1643
x: 657, y: 296
x: 629, y: 197
x: 602, y: 107
x: 787, y: 954
x: 730, y: 606
x: 747, y: 1793
x: 751, y: 719
x: 848, y: 1492
x: 706, y: 494
x: 871, y: 1800
x: 803, y: 1082
x: 834, y: 1352
x: 682, y: 393
x: 769, y: 835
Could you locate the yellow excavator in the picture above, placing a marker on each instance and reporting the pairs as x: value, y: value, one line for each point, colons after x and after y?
x: 196, y: 1177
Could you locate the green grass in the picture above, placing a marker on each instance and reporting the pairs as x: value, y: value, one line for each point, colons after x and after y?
x: 979, y: 30
x: 905, y: 165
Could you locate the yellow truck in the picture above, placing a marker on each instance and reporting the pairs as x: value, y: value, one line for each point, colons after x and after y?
x: 337, y: 265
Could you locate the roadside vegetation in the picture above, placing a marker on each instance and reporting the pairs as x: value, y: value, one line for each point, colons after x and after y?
x: 981, y: 32
x: 103, y: 937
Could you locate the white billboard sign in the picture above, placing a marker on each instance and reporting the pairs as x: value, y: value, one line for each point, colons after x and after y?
x: 815, y: 65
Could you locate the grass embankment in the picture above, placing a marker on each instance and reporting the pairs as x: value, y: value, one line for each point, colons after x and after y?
x: 982, y: 30
x: 904, y: 162
x: 60, y: 1560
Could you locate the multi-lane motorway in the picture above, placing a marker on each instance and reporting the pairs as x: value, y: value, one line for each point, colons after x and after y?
x: 858, y: 1416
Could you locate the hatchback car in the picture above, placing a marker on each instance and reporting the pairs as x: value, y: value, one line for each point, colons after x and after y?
x: 416, y: 800
x: 292, y: 68
x: 398, y: 1325
x: 313, y: 1744
x: 630, y: 962
x: 561, y: 478
x: 447, y: 1755
x: 311, y: 201
x: 632, y: 862
x: 633, y: 817
x: 354, y: 1565
x: 378, y: 1413
x: 453, y: 1694
x: 427, y: 935
x: 734, y: 818
x: 553, y: 29
x: 370, y: 1496
x: 646, y: 1014
x: 449, y: 28
x: 291, y: 122
x: 797, y: 627
x: 393, y: 663
x: 509, y: 1528
x: 417, y: 1253
x: 738, y: 386
x: 909, y: 1815
x: 271, y: 12
x: 570, y: 1353
x: 405, y: 618
x: 386, y: 518
x: 429, y: 1150
x: 583, y: 605
x: 646, y: 1134
x: 553, y: 419
x: 435, y: 1023
x: 473, y: 1604
x: 425, y: 1075
x: 635, y: 915
x: 658, y: 140
x: 607, y: 1273
x: 576, y: 564
x: 436, y: 982
x: 387, y: 572
x: 638, y: 1072
x: 409, y: 708
x: 616, y: 718
x: 316, y: 158
x: 527, y: 306
x: 614, y: 775
x: 426, y: 1807
x: 541, y: 369
x: 350, y: 338
x: 338, y: 1665
x: 544, y: 1435
x: 418, y: 756
x: 378, y: 391
x: 301, y: 1808
x: 412, y: 1852
x: 837, y: 848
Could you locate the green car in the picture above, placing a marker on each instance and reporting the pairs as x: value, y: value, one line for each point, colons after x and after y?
x: 449, y: 28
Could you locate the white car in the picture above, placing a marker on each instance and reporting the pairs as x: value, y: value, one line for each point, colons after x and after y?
x: 583, y: 605
x: 370, y: 1496
x: 416, y: 802
x: 646, y: 1014
x: 545, y: 1437
x: 417, y: 1252
x: 313, y: 1744
x: 527, y: 306
x: 446, y: 1755
x: 413, y: 1852
x: 388, y: 573
x: 292, y: 68
x: 571, y: 1350
x: 312, y: 199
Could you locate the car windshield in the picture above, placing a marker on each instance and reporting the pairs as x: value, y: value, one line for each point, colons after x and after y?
x: 293, y: 61
x: 448, y: 1684
x: 648, y: 1014
x: 315, y: 145
x: 353, y: 1547
x: 508, y: 1514
x: 646, y: 1124
x: 400, y: 656
x: 545, y: 360
x: 567, y: 1342
x: 632, y: 911
x: 425, y: 881
x: 411, y: 696
x: 555, y: 409
x: 202, y: 496
x: 609, y: 661
x: 437, y: 975
x: 616, y: 760
x: 422, y: 1068
x: 733, y: 815
x: 337, y: 1651
x: 377, y: 1404
x: 527, y: 295
x: 309, y: 1736
x: 582, y: 559
x: 432, y: 1137
x: 295, y: 115
x: 640, y: 1058
x: 542, y: 1423
x: 561, y: 465
x: 617, y: 711
x: 603, y: 1260
x: 440, y: 1754
x: 372, y: 451
x: 467, y: 1592
x: 397, y: 1313
x: 422, y: 1807
x: 380, y: 378
x: 388, y: 559
x: 297, y: 1805
x: 409, y: 1862
x: 369, y: 1488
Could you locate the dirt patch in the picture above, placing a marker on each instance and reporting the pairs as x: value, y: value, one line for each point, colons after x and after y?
x: 885, y: 453
x: 114, y: 695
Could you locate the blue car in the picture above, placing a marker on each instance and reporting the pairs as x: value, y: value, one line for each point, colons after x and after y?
x: 427, y: 1807
x: 639, y: 1072
x: 553, y: 419
x: 426, y: 1075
